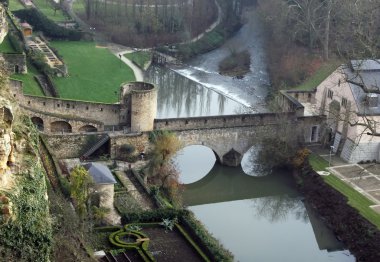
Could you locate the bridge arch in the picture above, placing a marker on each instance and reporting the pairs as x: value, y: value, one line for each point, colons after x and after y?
x: 88, y: 128
x: 217, y: 154
x: 194, y: 162
x: 38, y: 122
x: 60, y: 126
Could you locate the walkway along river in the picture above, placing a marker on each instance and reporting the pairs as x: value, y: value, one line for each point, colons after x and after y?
x: 258, y: 218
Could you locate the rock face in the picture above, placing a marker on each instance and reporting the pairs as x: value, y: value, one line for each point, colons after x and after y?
x: 3, y: 24
x: 6, y: 140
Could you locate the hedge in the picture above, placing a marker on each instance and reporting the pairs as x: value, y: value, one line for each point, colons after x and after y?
x: 360, y: 236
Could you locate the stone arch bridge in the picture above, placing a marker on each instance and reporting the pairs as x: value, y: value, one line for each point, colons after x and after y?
x: 230, y: 137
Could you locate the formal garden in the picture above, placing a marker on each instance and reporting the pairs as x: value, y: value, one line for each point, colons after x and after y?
x: 160, y: 241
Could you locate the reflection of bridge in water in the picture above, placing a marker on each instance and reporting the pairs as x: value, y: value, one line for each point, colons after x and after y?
x: 224, y: 184
x: 273, y: 196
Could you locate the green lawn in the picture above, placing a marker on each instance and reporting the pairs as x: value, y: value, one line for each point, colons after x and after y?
x: 15, y: 5
x: 47, y: 9
x: 78, y: 6
x: 95, y: 74
x: 355, y: 199
x: 31, y: 87
x: 6, y: 46
x: 321, y: 74
x: 140, y: 58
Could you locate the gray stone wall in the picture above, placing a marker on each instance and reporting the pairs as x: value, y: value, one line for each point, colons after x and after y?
x: 139, y: 141
x: 15, y: 63
x: 222, y: 121
x: 70, y: 145
x: 98, y: 112
x: 303, y: 96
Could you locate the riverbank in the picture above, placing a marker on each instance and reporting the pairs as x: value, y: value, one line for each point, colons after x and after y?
x: 360, y: 236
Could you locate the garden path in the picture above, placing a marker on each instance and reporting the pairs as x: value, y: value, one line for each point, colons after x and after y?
x: 120, y: 51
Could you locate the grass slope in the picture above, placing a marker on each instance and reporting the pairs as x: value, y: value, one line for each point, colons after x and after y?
x: 31, y: 87
x: 47, y: 9
x: 140, y: 58
x: 355, y: 199
x: 321, y: 74
x: 94, y: 73
x: 15, y: 5
x: 6, y: 46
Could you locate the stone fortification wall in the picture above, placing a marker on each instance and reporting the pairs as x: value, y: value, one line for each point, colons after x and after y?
x: 139, y: 141
x: 222, y: 121
x: 74, y: 145
x: 288, y: 103
x: 70, y: 145
x: 137, y: 108
x: 100, y: 112
x: 143, y: 105
x: 49, y: 123
x: 15, y: 63
x: 303, y: 96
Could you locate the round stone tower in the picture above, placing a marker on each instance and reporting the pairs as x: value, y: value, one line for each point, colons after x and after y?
x: 140, y: 100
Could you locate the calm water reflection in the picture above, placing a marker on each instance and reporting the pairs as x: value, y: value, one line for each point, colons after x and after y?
x: 258, y: 218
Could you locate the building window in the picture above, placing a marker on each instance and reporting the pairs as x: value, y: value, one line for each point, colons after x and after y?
x: 330, y: 94
x: 67, y: 105
x: 58, y: 105
x: 344, y: 102
x: 44, y: 103
x: 28, y: 102
x: 313, y: 136
x: 101, y: 109
x: 86, y: 107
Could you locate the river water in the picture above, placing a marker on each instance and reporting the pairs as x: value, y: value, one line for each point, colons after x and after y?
x: 257, y: 217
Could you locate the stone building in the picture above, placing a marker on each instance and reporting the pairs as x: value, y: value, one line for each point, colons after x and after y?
x: 104, y: 183
x: 15, y: 63
x: 27, y: 29
x: 349, y: 97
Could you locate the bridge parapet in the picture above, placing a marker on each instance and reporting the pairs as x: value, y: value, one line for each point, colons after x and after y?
x: 227, y: 121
